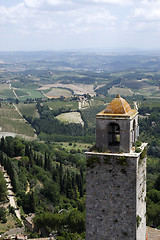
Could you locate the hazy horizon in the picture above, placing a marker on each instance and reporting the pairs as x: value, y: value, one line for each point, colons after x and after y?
x: 90, y: 50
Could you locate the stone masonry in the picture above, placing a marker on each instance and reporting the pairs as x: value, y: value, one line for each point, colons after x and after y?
x: 116, y: 190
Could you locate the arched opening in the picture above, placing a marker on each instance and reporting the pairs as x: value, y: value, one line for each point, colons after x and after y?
x: 134, y: 131
x: 113, y: 134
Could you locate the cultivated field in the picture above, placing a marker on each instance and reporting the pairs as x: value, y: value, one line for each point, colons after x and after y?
x: 71, y: 117
x: 67, y: 105
x: 28, y: 110
x: 7, y: 111
x: 121, y: 91
x: 79, y: 89
x: 58, y: 92
x: 6, y: 92
x: 21, y: 93
x: 11, y: 121
x: 30, y: 93
x: 156, y: 94
x: 148, y: 91
x: 95, y: 102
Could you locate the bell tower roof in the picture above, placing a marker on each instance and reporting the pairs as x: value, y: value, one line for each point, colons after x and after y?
x: 118, y: 106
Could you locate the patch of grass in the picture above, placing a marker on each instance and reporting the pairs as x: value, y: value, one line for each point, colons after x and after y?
x: 76, y: 146
x: 6, y: 93
x: 21, y: 93
x: 11, y: 121
x: 46, y: 90
x: 32, y: 93
x: 4, y: 87
x: 144, y: 153
x: 122, y: 161
x: 138, y: 219
x: 67, y: 105
x: 121, y: 91
x: 11, y: 223
x: 28, y: 109
x: 138, y: 85
x: 97, y: 103
x: 156, y: 93
x: 151, y: 103
x: 7, y: 111
x: 17, y: 84
x: 16, y: 126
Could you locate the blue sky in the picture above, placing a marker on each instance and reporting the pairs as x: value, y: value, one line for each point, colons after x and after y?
x: 79, y: 24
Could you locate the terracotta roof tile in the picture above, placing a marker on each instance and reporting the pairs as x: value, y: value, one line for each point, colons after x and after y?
x: 118, y: 106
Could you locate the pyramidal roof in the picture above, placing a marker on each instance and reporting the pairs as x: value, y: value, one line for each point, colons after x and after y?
x: 118, y: 106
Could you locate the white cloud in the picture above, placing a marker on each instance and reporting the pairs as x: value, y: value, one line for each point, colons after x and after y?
x: 147, y: 10
x: 119, y: 2
x: 105, y: 2
x: 27, y: 17
x: 33, y: 3
x: 57, y: 2
x: 12, y: 14
x: 72, y: 4
x: 4, y: 14
x: 145, y: 16
x: 50, y: 5
x: 100, y: 17
x: 90, y: 21
x: 107, y: 20
x: 45, y: 25
x: 38, y: 3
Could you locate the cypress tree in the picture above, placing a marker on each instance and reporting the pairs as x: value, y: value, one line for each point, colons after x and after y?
x: 61, y: 176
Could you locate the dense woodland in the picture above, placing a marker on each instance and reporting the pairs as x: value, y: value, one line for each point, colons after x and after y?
x: 55, y: 180
x: 150, y: 132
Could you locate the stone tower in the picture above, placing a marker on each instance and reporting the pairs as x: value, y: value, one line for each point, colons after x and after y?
x: 116, y: 177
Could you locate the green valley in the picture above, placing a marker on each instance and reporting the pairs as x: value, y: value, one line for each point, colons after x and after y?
x: 48, y: 117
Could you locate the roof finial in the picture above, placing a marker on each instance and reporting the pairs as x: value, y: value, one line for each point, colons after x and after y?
x: 118, y: 96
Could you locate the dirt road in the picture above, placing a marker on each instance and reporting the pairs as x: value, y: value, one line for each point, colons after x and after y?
x: 11, y: 195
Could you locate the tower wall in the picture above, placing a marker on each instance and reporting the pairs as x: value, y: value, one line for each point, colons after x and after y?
x: 141, y: 196
x: 115, y: 204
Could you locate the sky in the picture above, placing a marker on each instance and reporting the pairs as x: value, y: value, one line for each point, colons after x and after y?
x: 33, y: 25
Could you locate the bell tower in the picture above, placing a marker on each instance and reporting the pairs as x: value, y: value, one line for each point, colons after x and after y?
x: 117, y: 126
x: 116, y: 177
